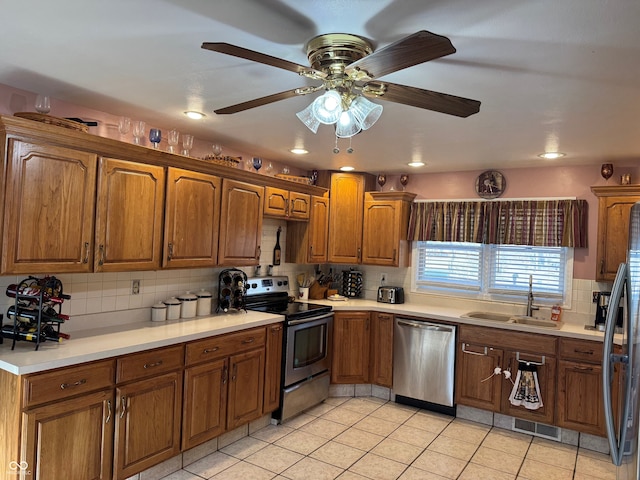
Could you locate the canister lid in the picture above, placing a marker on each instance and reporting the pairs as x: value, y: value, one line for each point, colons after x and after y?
x: 159, y: 306
x: 172, y: 301
x: 187, y: 297
x: 204, y: 294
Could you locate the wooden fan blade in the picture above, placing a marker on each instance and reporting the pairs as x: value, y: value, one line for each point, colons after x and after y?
x: 427, y: 99
x: 258, y: 102
x: 254, y: 56
x: 420, y: 47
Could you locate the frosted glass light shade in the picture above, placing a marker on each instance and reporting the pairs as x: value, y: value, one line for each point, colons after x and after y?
x: 328, y: 107
x: 307, y: 117
x: 347, y: 126
x: 365, y: 111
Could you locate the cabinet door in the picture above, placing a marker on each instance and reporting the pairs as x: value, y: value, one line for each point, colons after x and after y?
x: 205, y: 402
x: 382, y: 349
x: 246, y: 383
x: 613, y: 234
x: 547, y: 381
x: 192, y: 219
x: 273, y: 368
x: 299, y: 206
x: 474, y: 364
x: 148, y: 426
x: 345, y: 219
x: 307, y: 242
x: 129, y: 216
x: 240, y: 224
x: 276, y: 202
x: 49, y: 209
x: 70, y: 439
x: 381, y: 234
x: 351, y: 344
x: 580, y: 403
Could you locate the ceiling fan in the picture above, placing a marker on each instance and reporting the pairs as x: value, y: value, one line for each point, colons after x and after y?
x: 348, y: 65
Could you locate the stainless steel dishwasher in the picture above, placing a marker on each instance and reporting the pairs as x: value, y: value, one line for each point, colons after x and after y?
x: 423, y: 363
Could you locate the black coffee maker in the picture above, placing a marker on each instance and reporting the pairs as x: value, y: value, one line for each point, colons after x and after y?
x: 602, y: 308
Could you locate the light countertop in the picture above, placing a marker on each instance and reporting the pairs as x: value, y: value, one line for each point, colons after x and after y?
x: 102, y: 343
x: 109, y: 342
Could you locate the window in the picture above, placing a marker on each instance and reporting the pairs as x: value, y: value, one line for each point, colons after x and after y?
x: 494, y: 272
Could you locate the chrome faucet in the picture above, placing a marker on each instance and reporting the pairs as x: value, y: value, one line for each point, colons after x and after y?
x: 530, y: 307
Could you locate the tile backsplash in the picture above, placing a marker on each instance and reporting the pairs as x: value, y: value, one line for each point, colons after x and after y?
x: 106, y: 299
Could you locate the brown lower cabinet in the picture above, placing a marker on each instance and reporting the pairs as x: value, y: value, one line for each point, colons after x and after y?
x: 481, y: 350
x: 117, y: 417
x: 362, y: 348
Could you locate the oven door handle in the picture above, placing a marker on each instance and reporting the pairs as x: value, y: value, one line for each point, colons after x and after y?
x: 309, y: 319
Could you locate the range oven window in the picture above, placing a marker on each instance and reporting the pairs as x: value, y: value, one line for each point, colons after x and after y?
x: 309, y: 345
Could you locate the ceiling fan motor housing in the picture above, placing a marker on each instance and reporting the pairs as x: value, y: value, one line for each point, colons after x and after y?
x: 333, y: 52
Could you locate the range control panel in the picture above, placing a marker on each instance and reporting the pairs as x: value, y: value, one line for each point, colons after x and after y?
x: 262, y: 285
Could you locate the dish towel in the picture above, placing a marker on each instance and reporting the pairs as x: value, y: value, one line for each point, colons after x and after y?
x: 526, y: 390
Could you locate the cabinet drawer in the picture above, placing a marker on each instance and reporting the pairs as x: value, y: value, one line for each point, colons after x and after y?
x: 145, y: 364
x: 581, y: 350
x: 66, y: 382
x: 509, y: 340
x: 224, y: 345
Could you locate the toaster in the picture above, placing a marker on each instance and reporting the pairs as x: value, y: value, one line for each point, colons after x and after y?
x: 390, y: 295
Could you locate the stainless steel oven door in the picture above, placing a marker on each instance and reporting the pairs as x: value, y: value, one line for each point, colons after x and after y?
x: 308, y: 348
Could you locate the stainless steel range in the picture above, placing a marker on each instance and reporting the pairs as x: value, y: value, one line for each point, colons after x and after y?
x: 306, y: 355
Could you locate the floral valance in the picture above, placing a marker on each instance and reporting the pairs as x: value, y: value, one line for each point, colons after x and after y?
x: 549, y: 223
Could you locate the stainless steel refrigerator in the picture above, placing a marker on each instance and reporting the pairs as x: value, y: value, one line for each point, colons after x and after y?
x: 623, y: 431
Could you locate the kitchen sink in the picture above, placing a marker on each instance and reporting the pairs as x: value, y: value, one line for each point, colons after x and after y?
x: 491, y: 316
x: 509, y: 318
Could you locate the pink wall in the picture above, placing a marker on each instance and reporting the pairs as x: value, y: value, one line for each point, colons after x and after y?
x: 547, y: 181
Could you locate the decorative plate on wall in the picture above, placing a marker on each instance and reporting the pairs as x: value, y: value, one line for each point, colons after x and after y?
x: 490, y: 184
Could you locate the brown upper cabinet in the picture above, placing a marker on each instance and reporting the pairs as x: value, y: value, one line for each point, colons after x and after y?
x: 240, y: 223
x: 192, y: 219
x: 614, y: 208
x: 282, y: 203
x: 384, y: 238
x: 49, y: 209
x: 307, y: 242
x: 129, y: 214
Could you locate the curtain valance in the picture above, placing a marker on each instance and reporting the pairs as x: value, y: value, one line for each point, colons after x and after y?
x: 548, y: 223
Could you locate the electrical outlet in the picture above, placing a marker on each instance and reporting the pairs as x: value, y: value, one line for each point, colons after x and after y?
x: 595, y: 297
x: 135, y: 287
x: 383, y: 278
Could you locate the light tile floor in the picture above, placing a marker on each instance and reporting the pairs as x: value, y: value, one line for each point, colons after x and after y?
x: 368, y: 438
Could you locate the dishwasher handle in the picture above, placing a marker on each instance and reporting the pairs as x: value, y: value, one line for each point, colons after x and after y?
x: 424, y: 325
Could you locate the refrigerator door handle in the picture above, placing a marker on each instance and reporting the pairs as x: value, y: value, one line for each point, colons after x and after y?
x: 608, y: 359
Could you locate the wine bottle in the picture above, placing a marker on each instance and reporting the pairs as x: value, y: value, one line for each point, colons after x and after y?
x: 8, y: 332
x: 33, y: 290
x: 30, y: 315
x: 277, y: 251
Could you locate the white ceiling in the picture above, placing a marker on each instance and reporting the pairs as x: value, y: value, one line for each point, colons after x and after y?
x: 551, y: 74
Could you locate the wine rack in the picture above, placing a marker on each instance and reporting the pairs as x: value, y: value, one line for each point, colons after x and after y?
x: 232, y: 290
x: 36, y: 313
x: 351, y: 283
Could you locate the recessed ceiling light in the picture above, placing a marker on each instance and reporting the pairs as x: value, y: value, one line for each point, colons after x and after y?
x: 416, y: 164
x: 194, y: 115
x: 347, y: 169
x: 551, y: 155
x: 299, y: 151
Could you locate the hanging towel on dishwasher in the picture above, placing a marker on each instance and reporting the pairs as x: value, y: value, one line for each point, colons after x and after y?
x: 526, y: 390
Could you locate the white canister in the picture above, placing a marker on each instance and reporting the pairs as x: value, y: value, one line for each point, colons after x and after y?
x: 158, y: 312
x: 204, y: 303
x: 173, y: 308
x: 189, y: 305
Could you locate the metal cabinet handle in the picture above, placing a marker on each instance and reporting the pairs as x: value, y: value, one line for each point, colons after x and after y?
x: 528, y: 362
x: 395, y: 252
x: 602, y: 267
x: 76, y: 384
x: 225, y: 375
x: 86, y: 253
x: 583, y: 369
x: 464, y: 350
x: 101, y: 250
x: 151, y: 365
x: 586, y: 352
x: 258, y: 252
x: 108, y: 412
x: 359, y: 253
x: 170, y: 253
x: 248, y: 340
x: 211, y: 350
x: 274, y: 330
x: 286, y: 208
x: 235, y: 372
x: 123, y: 405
